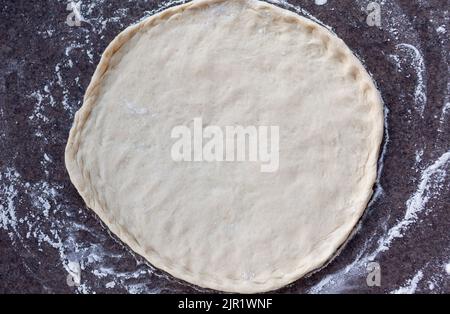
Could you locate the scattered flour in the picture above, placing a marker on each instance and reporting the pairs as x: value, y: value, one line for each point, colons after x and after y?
x: 110, y: 285
x: 447, y: 269
x: 444, y: 115
x: 74, y: 270
x: 411, y: 285
x: 419, y: 154
x: 9, y: 195
x: 417, y: 61
x: 441, y: 29
x: 428, y: 187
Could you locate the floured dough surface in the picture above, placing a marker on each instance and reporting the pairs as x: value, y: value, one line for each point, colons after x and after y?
x: 227, y: 225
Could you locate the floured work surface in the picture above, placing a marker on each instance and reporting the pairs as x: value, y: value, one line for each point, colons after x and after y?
x: 44, y: 219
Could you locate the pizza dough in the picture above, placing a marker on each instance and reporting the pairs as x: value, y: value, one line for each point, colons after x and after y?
x: 227, y: 225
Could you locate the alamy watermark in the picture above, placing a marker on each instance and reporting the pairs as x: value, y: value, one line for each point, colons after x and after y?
x: 230, y: 143
x: 73, y: 278
x: 373, y: 278
x: 74, y: 18
x: 373, y: 10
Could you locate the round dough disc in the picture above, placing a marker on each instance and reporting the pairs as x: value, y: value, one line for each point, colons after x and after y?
x: 228, y: 225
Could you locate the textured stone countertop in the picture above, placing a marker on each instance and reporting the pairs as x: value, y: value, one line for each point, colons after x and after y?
x: 49, y: 239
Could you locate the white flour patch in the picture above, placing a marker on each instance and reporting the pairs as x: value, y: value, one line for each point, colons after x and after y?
x: 320, y: 2
x: 137, y: 289
x: 396, y: 61
x: 417, y: 61
x: 74, y: 270
x: 38, y: 113
x: 410, y: 286
x: 337, y: 281
x: 60, y: 81
x: 444, y: 115
x: 46, y: 34
x: 110, y: 285
x: 441, y: 29
x: 8, y: 196
x: 134, y: 108
x: 418, y: 158
x: 447, y: 269
x: 446, y: 109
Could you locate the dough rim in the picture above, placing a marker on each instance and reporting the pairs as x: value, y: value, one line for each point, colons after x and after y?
x: 81, y: 180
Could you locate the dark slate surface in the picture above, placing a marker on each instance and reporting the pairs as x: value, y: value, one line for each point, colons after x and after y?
x: 46, y: 232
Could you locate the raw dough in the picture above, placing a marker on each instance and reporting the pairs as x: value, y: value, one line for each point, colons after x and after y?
x: 226, y: 225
